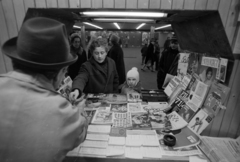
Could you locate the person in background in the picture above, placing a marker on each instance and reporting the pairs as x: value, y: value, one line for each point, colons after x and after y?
x: 166, y: 61
x: 36, y: 122
x: 98, y: 74
x: 144, y: 52
x: 150, y: 56
x: 76, y: 49
x: 126, y: 41
x: 116, y: 53
x: 132, y: 84
x: 156, y: 54
x: 166, y: 43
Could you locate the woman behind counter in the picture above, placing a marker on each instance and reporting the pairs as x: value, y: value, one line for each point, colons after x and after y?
x: 98, y: 74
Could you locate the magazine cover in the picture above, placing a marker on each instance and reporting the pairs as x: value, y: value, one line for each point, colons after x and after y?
x: 115, y: 98
x: 90, y: 114
x: 193, y: 63
x: 140, y: 120
x: 135, y: 107
x: 119, y: 107
x: 182, y: 65
x: 222, y: 70
x: 131, y: 97
x: 172, y: 85
x: 159, y: 120
x: 102, y: 117
x: 122, y: 120
x: 177, y: 121
x: 186, y: 113
x: 168, y: 78
x: 95, y: 103
x: 65, y: 87
x: 154, y: 106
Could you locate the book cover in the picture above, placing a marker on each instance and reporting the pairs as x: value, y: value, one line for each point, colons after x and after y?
x: 102, y: 117
x: 121, y: 107
x: 140, y: 120
x: 135, y: 107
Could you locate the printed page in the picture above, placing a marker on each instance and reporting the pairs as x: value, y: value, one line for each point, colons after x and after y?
x: 117, y: 140
x: 134, y: 140
x: 97, y: 137
x: 133, y: 152
x: 102, y: 129
x: 150, y: 140
x: 151, y: 152
x: 114, y: 150
x: 93, y: 151
x: 95, y: 144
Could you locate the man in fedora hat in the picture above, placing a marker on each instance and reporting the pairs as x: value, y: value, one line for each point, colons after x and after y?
x: 37, y: 123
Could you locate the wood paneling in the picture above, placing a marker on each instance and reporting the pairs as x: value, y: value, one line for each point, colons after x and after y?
x: 51, y: 3
x: 154, y: 4
x: 63, y: 3
x: 120, y: 4
x: 29, y: 4
x: 166, y: 4
x: 74, y: 4
x: 19, y: 12
x: 131, y: 3
x: 212, y: 4
x: 189, y: 4
x: 223, y: 10
x: 177, y: 4
x: 40, y: 3
x: 85, y: 4
x: 201, y: 4
x: 143, y: 4
x: 236, y: 49
x: 97, y: 3
x: 108, y: 3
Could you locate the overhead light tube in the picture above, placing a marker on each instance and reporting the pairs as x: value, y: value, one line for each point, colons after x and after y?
x: 161, y: 27
x: 122, y: 20
x: 123, y: 13
x: 93, y: 25
x: 75, y: 26
x: 116, y: 24
x: 141, y: 25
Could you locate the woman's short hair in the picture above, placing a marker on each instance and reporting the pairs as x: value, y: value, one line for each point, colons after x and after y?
x: 100, y: 42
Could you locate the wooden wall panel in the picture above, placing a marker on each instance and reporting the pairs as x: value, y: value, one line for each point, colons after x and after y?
x: 223, y: 10
x: 189, y: 4
x: 166, y: 4
x: 177, y: 4
x: 143, y: 4
x: 29, y: 4
x: 19, y: 12
x: 74, y: 4
x: 120, y: 4
x: 85, y: 4
x: 130, y: 3
x: 51, y: 3
x: 236, y: 48
x: 97, y: 3
x: 212, y: 4
x: 40, y: 4
x: 201, y: 4
x: 154, y: 4
x: 108, y: 3
x: 63, y: 4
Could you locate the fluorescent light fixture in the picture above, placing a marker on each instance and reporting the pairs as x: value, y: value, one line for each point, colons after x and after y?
x: 141, y: 25
x: 75, y: 26
x: 122, y: 20
x: 93, y: 25
x: 165, y: 26
x: 124, y: 13
x: 116, y: 24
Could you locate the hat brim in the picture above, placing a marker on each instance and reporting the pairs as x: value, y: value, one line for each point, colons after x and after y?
x: 9, y: 48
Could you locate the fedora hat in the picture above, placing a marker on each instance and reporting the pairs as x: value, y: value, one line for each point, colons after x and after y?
x: 41, y: 43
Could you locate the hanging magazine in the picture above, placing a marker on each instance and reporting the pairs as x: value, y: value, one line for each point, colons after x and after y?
x: 222, y: 70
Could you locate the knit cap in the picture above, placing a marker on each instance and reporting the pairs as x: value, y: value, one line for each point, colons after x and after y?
x: 133, y: 73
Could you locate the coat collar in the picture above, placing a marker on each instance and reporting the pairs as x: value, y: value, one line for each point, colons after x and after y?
x: 36, y: 79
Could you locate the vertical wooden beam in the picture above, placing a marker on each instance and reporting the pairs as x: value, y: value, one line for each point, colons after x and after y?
x: 201, y: 4
x: 63, y: 4
x: 74, y: 4
x: 154, y: 4
x: 97, y: 3
x: 189, y: 4
x: 212, y: 4
x: 236, y: 48
x: 40, y: 3
x: 120, y: 4
x: 51, y: 3
x: 166, y: 4
x: 223, y: 10
x: 86, y: 4
x: 19, y: 12
x: 29, y: 4
x: 177, y: 4
x: 130, y: 3
x: 143, y: 4
x: 108, y: 3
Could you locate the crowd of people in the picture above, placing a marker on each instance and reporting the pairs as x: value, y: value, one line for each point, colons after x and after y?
x: 36, y: 122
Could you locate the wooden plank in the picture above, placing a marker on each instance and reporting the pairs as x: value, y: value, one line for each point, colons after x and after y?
x: 154, y: 4
x: 223, y: 10
x: 29, y: 4
x: 62, y: 3
x: 143, y: 4
x: 177, y: 4
x: 231, y: 24
x: 97, y: 3
x: 40, y: 3
x: 212, y: 4
x: 201, y: 4
x: 166, y: 4
x: 189, y: 4
x: 74, y: 4
x: 19, y: 12
x: 236, y: 49
x: 52, y: 3
x: 108, y: 3
x: 121, y: 4
x: 130, y: 3
x: 85, y: 4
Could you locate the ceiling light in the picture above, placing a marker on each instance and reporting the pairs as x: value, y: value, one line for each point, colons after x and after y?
x: 124, y: 13
x: 122, y: 20
x: 116, y: 24
x: 165, y: 26
x: 93, y: 25
x: 140, y: 26
x: 75, y: 26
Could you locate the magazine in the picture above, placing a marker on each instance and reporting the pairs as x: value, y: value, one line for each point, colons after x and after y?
x: 90, y: 114
x: 168, y: 78
x: 155, y: 106
x: 121, y: 107
x: 96, y: 95
x: 135, y: 107
x: 186, y: 113
x: 115, y: 98
x: 102, y: 117
x: 99, y: 129
x: 222, y: 70
x: 122, y: 120
x: 96, y: 103
x: 65, y: 87
x: 177, y: 121
x: 131, y: 97
x: 172, y: 85
x: 140, y: 120
x: 182, y: 65
x: 193, y: 63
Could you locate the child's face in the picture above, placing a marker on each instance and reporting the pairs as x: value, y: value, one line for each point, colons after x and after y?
x: 209, y: 75
x: 131, y: 81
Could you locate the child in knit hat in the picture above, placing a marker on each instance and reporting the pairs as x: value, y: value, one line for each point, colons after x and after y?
x: 132, y: 83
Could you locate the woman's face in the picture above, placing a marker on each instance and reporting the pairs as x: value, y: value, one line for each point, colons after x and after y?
x: 99, y: 54
x: 76, y: 43
x: 131, y: 81
x: 209, y: 75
